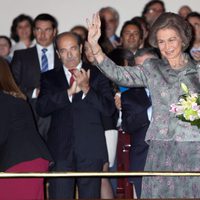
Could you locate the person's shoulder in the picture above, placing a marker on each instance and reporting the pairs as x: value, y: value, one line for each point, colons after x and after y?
x: 153, y: 62
x: 53, y: 72
x: 150, y: 61
x: 8, y: 100
x: 6, y: 97
x: 24, y: 52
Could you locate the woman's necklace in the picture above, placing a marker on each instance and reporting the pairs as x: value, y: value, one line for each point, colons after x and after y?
x: 180, y: 63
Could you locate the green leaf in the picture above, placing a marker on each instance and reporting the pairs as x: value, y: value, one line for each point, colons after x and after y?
x: 184, y: 88
x: 198, y: 100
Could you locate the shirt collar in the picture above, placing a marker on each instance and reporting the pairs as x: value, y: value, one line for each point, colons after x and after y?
x: 112, y: 38
x: 49, y: 48
x: 77, y: 67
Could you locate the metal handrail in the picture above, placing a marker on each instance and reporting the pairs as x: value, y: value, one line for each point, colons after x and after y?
x: 95, y: 174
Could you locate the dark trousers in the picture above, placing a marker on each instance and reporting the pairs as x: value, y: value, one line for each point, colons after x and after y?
x: 138, y: 160
x: 64, y: 188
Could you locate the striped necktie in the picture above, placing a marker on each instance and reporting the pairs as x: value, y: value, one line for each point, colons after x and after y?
x: 44, y: 63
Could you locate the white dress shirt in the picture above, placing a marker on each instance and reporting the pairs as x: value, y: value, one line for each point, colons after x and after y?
x: 149, y: 110
x: 50, y: 55
x: 68, y: 76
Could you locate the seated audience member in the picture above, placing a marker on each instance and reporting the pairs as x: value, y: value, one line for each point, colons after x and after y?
x: 22, y: 32
x: 21, y: 146
x: 81, y: 31
x: 5, y: 47
x: 75, y: 95
x: 152, y: 10
x: 184, y: 11
x: 194, y: 19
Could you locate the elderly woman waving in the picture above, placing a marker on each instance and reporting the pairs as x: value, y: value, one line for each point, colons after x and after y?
x: 174, y: 143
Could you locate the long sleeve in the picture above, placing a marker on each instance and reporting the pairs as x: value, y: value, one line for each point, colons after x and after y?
x: 18, y: 74
x: 25, y: 67
x: 48, y: 100
x: 16, y: 67
x: 125, y: 76
x: 4, y: 122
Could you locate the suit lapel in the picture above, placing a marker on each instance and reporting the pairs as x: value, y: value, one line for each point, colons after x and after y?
x: 32, y: 60
x: 61, y: 78
x: 35, y: 57
x: 57, y: 61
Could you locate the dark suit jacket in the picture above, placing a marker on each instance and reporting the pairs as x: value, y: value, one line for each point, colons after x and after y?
x: 75, y: 125
x: 25, y: 67
x: 135, y: 103
x: 19, y: 139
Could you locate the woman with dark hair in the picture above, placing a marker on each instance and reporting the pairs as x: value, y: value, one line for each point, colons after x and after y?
x: 152, y: 10
x: 122, y: 56
x: 22, y: 32
x: 173, y: 142
x: 81, y: 31
x: 21, y: 147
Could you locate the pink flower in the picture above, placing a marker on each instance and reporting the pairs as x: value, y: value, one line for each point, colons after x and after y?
x: 195, y: 107
x: 173, y: 108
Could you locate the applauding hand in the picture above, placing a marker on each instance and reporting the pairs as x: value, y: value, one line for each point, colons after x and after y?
x: 82, y: 80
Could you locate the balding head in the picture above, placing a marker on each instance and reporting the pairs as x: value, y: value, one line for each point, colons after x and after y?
x: 69, y: 49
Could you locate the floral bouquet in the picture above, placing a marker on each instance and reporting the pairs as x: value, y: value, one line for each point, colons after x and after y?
x: 188, y: 107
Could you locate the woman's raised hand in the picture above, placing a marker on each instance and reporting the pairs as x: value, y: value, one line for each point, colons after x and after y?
x: 94, y: 30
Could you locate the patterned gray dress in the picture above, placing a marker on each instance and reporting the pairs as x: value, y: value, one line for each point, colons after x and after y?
x: 174, y: 145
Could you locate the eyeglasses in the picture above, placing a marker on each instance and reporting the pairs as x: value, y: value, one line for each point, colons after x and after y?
x: 47, y: 30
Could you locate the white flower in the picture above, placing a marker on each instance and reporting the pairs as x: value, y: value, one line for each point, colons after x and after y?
x: 188, y: 107
x: 195, y: 107
x: 192, y: 118
x: 198, y: 113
